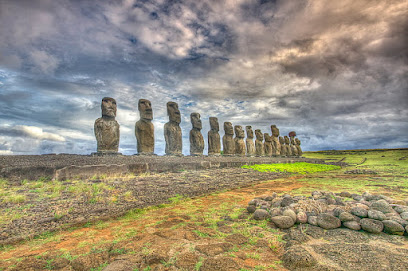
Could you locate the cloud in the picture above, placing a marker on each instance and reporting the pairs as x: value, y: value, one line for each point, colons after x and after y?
x: 31, y: 132
x: 336, y: 72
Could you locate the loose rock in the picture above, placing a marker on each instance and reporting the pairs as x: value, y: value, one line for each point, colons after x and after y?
x: 283, y: 222
x: 251, y: 209
x: 301, y: 217
x: 404, y: 215
x: 358, y: 211
x: 393, y: 227
x: 312, y: 220
x: 371, y: 225
x: 353, y: 225
x: 374, y: 214
x: 327, y: 221
x: 260, y: 214
x: 346, y: 216
x: 401, y: 208
x: 382, y: 206
x: 290, y: 213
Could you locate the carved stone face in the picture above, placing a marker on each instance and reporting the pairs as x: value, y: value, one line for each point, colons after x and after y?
x: 281, y: 140
x: 239, y: 132
x: 145, y: 109
x: 275, y: 131
x: 297, y: 141
x: 229, y: 130
x: 108, y: 107
x: 214, y: 124
x: 173, y: 112
x: 267, y: 137
x: 259, y: 135
x: 287, y: 140
x: 196, y: 121
x: 249, y: 132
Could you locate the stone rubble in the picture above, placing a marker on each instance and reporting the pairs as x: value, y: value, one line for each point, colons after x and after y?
x: 328, y: 210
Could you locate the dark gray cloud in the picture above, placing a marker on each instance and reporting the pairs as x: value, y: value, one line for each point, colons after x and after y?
x: 336, y: 72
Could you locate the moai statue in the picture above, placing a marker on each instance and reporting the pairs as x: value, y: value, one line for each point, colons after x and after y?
x: 275, y: 141
x: 196, y: 138
x: 106, y: 128
x: 240, y: 149
x: 268, y: 144
x: 283, y: 148
x: 250, y: 145
x: 287, y: 146
x: 214, y: 144
x: 292, y: 143
x: 172, y: 130
x: 299, y: 149
x: 144, y: 129
x: 259, y: 146
x: 228, y: 144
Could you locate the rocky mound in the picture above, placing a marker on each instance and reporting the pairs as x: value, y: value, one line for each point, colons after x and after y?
x: 368, y: 212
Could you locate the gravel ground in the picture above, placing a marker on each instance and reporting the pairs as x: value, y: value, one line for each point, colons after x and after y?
x: 58, y: 205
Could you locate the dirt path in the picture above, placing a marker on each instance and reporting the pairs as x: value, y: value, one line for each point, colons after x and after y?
x: 206, y: 231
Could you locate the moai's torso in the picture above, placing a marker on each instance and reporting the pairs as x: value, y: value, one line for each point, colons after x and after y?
x: 250, y: 146
x: 259, y: 148
x: 268, y: 148
x: 107, y: 135
x: 299, y: 150
x: 228, y: 145
x: 276, y: 146
x: 240, y: 148
x: 214, y: 144
x: 144, y: 131
x: 283, y: 150
x: 172, y: 135
x: 196, y: 142
x: 288, y: 150
x: 293, y: 149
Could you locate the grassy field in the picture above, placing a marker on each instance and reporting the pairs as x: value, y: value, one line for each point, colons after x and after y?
x: 377, y: 171
x: 186, y: 225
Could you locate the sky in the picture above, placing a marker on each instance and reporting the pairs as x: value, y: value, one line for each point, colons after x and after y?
x: 336, y: 72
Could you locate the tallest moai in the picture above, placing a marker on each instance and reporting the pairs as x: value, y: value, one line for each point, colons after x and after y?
x: 144, y: 129
x: 172, y: 130
x: 106, y: 128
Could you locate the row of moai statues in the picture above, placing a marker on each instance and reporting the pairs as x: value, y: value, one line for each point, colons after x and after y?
x: 107, y: 135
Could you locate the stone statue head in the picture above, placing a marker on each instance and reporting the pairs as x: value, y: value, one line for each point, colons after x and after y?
x: 297, y: 141
x: 145, y: 109
x: 259, y: 135
x: 267, y: 137
x: 239, y: 132
x: 249, y: 132
x: 275, y: 131
x: 292, y: 134
x: 196, y: 121
x: 108, y: 107
x: 287, y: 140
x: 229, y: 130
x: 214, y: 124
x: 173, y: 112
x: 281, y: 140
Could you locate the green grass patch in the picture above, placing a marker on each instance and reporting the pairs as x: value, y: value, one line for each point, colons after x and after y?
x: 300, y: 167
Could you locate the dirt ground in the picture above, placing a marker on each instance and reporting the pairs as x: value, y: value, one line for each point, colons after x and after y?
x: 215, y: 232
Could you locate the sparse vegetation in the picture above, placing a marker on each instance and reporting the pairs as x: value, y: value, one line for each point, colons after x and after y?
x: 212, y: 218
x: 300, y: 168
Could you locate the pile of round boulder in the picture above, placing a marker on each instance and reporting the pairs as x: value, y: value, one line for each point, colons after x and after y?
x: 328, y: 210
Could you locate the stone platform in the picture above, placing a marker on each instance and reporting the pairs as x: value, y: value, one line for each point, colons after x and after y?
x: 68, y: 166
